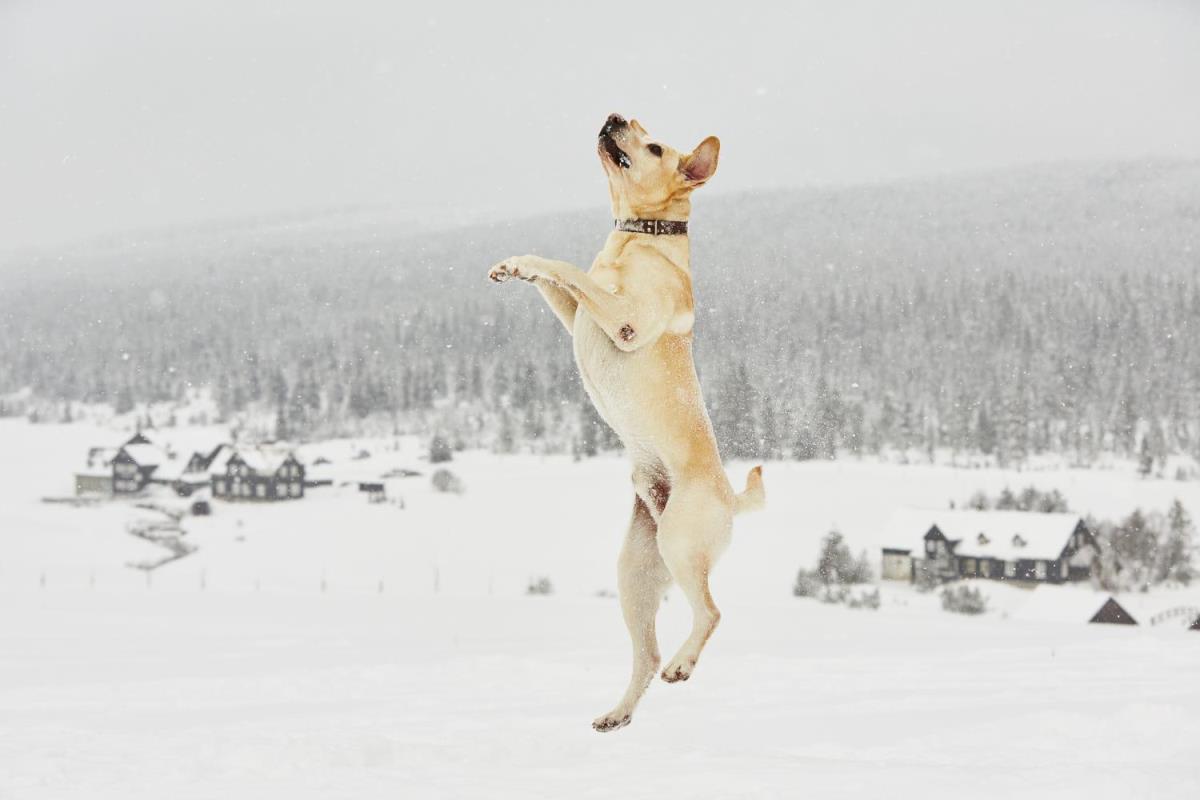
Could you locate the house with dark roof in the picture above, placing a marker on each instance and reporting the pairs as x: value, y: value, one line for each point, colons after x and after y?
x: 998, y: 545
x: 135, y: 465
x: 200, y: 467
x: 254, y: 474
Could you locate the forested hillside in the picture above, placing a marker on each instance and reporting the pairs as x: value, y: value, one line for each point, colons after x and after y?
x: 1041, y: 309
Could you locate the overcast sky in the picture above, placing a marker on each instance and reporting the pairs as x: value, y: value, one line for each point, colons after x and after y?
x: 129, y: 114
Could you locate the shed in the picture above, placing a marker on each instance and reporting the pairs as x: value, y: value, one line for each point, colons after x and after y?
x: 1076, y: 605
x: 376, y: 492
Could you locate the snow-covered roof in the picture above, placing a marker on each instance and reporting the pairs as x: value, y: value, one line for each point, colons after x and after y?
x: 99, y: 460
x: 1065, y: 604
x: 217, y: 467
x: 1006, y: 535
x: 215, y: 455
x: 906, y: 529
x: 263, y: 461
x: 146, y: 455
x: 170, y: 470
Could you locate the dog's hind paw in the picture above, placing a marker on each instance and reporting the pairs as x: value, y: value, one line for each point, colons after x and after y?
x: 611, y: 721
x: 679, y: 670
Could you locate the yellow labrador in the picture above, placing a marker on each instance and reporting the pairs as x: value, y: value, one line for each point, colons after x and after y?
x: 631, y: 319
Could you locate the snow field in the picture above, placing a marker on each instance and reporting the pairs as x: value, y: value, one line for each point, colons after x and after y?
x: 299, y: 696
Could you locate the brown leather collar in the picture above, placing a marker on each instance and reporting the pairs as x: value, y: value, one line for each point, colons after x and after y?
x: 654, y: 227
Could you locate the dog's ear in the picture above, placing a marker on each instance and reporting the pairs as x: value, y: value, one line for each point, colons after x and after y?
x: 637, y: 126
x: 700, y: 165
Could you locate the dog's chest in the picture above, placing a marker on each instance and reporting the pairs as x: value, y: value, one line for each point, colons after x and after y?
x: 602, y: 367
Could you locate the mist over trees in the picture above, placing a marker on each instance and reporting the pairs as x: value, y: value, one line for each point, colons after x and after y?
x: 1018, y: 313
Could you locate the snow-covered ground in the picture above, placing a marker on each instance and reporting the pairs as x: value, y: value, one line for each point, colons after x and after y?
x: 219, y: 695
x: 330, y: 647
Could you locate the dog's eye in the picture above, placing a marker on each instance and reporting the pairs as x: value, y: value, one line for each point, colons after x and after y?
x: 653, y: 148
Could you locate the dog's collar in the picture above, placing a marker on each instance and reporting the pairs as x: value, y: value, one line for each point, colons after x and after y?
x: 654, y: 227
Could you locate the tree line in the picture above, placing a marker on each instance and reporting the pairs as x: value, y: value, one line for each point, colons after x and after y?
x: 846, y: 322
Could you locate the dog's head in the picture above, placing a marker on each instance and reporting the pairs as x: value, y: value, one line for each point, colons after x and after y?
x: 647, y: 178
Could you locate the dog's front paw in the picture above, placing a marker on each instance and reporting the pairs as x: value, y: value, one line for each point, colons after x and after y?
x: 611, y: 721
x: 510, y: 268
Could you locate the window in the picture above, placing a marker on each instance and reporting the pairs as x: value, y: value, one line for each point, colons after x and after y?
x: 930, y: 546
x: 969, y: 566
x: 1064, y: 570
x: 295, y: 489
x: 218, y: 487
x: 1039, y: 570
x: 261, y: 490
x: 986, y: 568
x: 1010, y: 569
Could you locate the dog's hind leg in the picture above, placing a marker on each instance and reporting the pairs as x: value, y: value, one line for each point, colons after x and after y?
x: 692, y: 533
x: 642, y: 578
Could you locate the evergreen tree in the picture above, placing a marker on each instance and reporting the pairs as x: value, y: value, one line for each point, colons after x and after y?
x: 282, y: 432
x: 439, y: 450
x: 770, y: 447
x: 1146, y: 459
x: 1177, y: 550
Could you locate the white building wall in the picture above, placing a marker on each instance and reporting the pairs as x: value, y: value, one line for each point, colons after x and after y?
x: 896, y: 567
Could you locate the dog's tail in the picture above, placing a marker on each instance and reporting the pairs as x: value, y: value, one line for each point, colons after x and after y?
x: 754, y: 498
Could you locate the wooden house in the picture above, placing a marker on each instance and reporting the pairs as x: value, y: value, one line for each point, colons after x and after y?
x: 259, y: 475
x: 135, y: 465
x: 202, y: 461
x: 198, y: 472
x: 998, y: 545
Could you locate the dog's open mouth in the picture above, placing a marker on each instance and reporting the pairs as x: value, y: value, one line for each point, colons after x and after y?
x: 609, y: 144
x: 614, y: 153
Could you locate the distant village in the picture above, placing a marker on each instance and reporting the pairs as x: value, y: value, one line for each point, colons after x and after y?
x: 923, y: 547
x: 221, y: 470
x: 224, y: 470
x: 1027, y: 548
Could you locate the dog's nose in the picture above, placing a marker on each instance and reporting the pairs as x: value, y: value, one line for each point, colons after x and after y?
x: 611, y: 124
